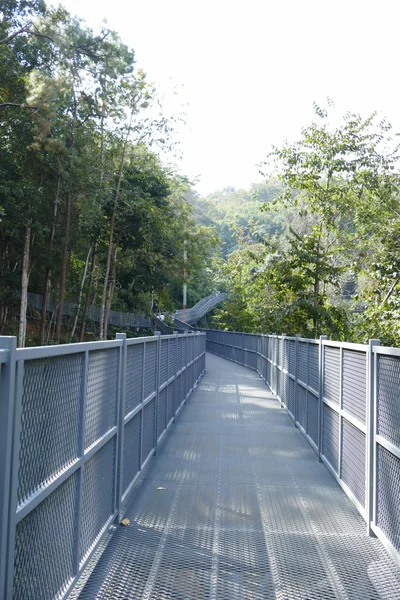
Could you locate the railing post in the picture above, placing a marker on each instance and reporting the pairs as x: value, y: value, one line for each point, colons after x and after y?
x: 158, y: 365
x: 121, y: 417
x: 282, y: 374
x: 296, y: 385
x: 7, y: 395
x: 371, y: 404
x: 320, y: 393
x: 176, y: 334
x: 186, y: 375
x: 142, y: 408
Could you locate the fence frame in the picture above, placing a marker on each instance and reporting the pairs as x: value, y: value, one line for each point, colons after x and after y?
x: 273, y: 353
x: 12, y: 366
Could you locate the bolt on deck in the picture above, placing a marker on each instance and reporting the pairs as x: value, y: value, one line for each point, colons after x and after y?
x: 236, y: 506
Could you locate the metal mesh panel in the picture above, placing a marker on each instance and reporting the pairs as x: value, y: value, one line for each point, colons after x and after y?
x: 238, y: 340
x: 184, y: 357
x: 286, y: 354
x: 170, y: 401
x: 388, y: 495
x: 131, y: 451
x: 44, y: 545
x: 171, y: 359
x: 353, y: 460
x: 179, y: 341
x: 278, y: 356
x: 102, y: 391
x: 285, y: 386
x: 178, y: 392
x: 98, y: 495
x: 388, y: 399
x: 162, y: 412
x: 270, y: 348
x: 164, y: 361
x: 302, y: 363
x: 278, y: 382
x: 313, y: 366
x: 148, y: 428
x: 302, y: 406
x: 252, y: 360
x: 332, y: 374
x: 250, y: 342
x: 312, y: 417
x: 238, y: 355
x: 291, y: 398
x: 134, y: 375
x: 150, y: 368
x: 330, y: 439
x: 292, y: 357
x: 51, y: 398
x: 354, y: 383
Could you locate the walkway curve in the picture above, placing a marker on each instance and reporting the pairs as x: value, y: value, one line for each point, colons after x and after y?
x: 236, y: 507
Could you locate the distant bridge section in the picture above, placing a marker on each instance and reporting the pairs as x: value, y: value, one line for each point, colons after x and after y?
x: 198, y: 311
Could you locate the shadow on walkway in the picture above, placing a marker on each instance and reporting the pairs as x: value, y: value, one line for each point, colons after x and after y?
x: 237, y: 507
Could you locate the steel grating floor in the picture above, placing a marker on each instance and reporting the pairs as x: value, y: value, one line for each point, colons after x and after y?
x: 246, y: 512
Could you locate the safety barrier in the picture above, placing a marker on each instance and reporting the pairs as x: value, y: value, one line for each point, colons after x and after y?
x: 78, y: 423
x: 345, y: 398
x: 201, y: 308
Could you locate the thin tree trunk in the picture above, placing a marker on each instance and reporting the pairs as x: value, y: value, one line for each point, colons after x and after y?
x: 47, y: 274
x: 24, y: 289
x: 111, y: 289
x: 3, y: 317
x: 87, y: 299
x: 81, y: 294
x: 112, y: 226
x: 64, y: 265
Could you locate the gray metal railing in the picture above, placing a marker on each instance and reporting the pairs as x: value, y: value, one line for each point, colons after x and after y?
x: 198, y: 311
x: 345, y: 398
x: 115, y: 318
x: 78, y: 423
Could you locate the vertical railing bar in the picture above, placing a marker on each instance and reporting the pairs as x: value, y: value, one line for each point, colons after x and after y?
x: 371, y: 403
x: 80, y: 474
x: 321, y: 375
x: 158, y: 367
x: 121, y: 418
x: 282, y: 374
x: 374, y: 458
x: 12, y: 514
x: 142, y: 410
x: 175, y: 371
x: 340, y: 412
x: 186, y: 373
x: 296, y: 386
x: 7, y: 395
x: 168, y: 385
x: 307, y: 382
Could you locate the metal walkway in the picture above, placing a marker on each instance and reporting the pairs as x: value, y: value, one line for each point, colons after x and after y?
x: 236, y: 507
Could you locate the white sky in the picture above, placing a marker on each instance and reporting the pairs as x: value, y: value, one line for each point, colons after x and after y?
x: 248, y: 72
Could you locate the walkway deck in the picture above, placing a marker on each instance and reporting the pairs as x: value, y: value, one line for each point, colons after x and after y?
x: 236, y: 506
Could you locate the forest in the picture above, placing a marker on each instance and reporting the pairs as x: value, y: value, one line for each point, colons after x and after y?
x: 90, y: 214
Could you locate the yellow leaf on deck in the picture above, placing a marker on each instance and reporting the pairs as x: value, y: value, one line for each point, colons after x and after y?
x: 125, y: 522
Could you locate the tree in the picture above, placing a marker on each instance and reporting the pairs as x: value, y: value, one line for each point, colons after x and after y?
x: 346, y: 178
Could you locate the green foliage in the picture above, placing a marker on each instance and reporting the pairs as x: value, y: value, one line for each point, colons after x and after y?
x: 338, y: 206
x: 74, y: 126
x: 236, y: 214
